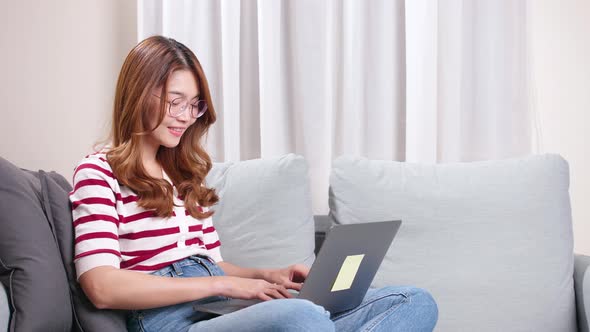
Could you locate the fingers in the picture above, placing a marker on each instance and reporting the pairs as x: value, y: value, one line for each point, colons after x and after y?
x: 275, y: 291
x: 283, y: 291
x: 275, y: 294
x: 264, y: 297
x: 293, y: 285
x: 268, y: 291
x: 298, y: 273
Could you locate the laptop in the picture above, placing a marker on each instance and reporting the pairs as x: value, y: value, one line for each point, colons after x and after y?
x: 342, y: 272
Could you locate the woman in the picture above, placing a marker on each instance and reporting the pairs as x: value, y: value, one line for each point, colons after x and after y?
x: 145, y: 241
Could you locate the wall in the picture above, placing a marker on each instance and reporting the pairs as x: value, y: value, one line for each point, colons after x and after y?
x: 561, y: 74
x: 59, y: 65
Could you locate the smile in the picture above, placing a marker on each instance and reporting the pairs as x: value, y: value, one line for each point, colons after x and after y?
x: 176, y: 131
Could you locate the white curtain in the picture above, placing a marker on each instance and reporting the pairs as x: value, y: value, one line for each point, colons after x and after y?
x: 416, y: 80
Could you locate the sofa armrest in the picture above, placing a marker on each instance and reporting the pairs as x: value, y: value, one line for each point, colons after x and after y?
x: 4, y: 309
x: 322, y: 225
x: 582, y: 289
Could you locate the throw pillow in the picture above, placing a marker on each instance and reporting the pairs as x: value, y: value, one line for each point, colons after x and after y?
x: 30, y: 265
x: 491, y: 240
x: 264, y: 216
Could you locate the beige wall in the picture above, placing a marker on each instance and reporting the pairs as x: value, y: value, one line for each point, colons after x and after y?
x: 561, y: 72
x: 59, y: 63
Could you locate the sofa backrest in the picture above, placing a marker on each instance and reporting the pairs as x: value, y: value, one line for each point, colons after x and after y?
x: 264, y: 216
x: 492, y: 241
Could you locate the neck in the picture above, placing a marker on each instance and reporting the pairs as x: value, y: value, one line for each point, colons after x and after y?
x: 148, y: 154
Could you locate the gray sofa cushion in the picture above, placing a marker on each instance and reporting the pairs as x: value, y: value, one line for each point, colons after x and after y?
x: 56, y: 204
x: 4, y: 309
x: 491, y: 240
x: 264, y: 217
x: 30, y: 265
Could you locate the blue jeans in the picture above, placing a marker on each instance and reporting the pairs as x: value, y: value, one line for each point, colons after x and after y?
x: 383, y: 309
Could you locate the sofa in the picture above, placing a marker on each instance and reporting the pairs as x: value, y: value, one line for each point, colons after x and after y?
x: 492, y: 240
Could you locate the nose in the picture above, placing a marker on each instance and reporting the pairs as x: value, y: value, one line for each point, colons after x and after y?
x: 185, y: 116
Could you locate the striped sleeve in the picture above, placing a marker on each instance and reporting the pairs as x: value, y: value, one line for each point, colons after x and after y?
x: 95, y: 217
x: 211, y: 240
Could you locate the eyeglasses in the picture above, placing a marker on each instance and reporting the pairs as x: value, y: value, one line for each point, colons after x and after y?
x: 177, y: 106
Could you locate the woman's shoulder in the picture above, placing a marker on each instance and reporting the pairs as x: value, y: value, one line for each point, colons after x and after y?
x: 97, y: 158
x: 97, y: 163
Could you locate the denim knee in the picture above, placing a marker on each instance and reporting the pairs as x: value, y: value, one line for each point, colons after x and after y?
x: 300, y: 315
x: 424, y: 305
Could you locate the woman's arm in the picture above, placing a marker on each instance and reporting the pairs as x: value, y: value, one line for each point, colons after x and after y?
x: 237, y: 271
x: 109, y: 287
x: 290, y: 277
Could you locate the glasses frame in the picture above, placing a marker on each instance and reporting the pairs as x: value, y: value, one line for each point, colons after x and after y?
x: 184, y: 107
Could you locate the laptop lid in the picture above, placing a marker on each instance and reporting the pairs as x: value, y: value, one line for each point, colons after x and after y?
x: 342, y: 272
x: 347, y: 263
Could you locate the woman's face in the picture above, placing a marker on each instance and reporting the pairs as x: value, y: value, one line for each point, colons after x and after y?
x: 182, y: 88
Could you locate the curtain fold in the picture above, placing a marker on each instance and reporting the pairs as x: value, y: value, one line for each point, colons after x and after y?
x: 420, y: 80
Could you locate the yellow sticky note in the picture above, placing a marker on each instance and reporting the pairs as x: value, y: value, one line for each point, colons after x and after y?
x: 347, y: 272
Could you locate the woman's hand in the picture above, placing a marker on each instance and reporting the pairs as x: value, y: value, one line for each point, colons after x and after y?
x: 290, y: 277
x: 246, y: 288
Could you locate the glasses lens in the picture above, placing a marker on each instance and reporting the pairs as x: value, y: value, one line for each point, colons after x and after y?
x: 177, y: 106
x: 199, y: 108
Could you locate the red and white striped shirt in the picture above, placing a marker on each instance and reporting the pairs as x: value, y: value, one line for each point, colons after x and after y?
x: 110, y: 229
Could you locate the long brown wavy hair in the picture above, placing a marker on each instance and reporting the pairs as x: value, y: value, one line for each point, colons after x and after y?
x: 147, y: 67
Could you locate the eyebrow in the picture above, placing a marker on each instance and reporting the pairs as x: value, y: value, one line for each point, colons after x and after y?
x: 182, y: 94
